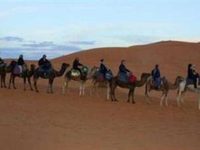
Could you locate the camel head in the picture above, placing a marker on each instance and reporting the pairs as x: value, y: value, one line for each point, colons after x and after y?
x: 65, y: 65
x: 92, y: 72
x: 143, y: 80
x: 62, y: 70
x: 178, y: 80
x: 12, y: 65
x: 32, y: 67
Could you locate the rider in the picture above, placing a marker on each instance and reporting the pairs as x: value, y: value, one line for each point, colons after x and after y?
x: 192, y: 75
x: 103, y: 69
x: 123, y: 71
x: 156, y: 76
x: 21, y: 63
x: 44, y: 63
x: 1, y: 61
x: 76, y: 65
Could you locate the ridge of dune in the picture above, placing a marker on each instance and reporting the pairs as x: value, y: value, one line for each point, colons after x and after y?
x: 141, y: 58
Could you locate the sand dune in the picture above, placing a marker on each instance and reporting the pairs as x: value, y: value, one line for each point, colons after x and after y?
x: 39, y: 121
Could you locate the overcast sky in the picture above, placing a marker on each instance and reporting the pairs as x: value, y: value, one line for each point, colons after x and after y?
x: 59, y: 27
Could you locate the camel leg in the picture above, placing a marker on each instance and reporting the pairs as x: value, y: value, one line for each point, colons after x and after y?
x: 182, y: 98
x: 114, y: 95
x: 94, y: 88
x: 147, y: 91
x: 147, y: 97
x: 108, y: 91
x: 29, y: 82
x: 80, y: 89
x: 48, y: 88
x: 113, y: 88
x: 129, y: 95
x: 1, y: 81
x: 4, y: 80
x: 51, y: 86
x: 133, y: 96
x: 111, y: 94
x: 9, y: 85
x: 166, y: 100
x: 13, y: 82
x: 24, y: 83
x: 65, y: 86
x: 178, y: 98
x: 83, y: 89
x: 35, y: 84
x: 112, y: 91
x: 162, y: 99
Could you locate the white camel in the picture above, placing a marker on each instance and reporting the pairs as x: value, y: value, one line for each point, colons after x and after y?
x: 183, y: 87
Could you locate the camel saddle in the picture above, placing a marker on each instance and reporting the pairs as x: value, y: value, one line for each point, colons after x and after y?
x: 75, y: 73
x: 18, y: 69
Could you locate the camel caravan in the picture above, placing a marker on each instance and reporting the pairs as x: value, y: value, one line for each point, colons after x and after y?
x: 100, y: 76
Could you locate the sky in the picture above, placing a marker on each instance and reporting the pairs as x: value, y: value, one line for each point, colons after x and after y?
x: 60, y: 27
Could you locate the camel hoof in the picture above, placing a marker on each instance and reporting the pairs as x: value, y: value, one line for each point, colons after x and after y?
x: 133, y: 102
x: 37, y: 91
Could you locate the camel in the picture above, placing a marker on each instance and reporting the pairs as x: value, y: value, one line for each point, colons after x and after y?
x: 50, y: 76
x: 100, y: 82
x: 183, y: 88
x: 131, y: 86
x: 82, y: 79
x: 26, y: 74
x: 165, y: 87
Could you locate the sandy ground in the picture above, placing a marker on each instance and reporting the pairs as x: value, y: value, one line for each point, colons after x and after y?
x: 41, y: 121
x: 38, y: 121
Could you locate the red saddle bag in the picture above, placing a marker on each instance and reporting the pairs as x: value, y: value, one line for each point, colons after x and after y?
x: 132, y: 78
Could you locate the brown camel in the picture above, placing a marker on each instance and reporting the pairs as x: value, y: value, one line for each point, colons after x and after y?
x: 51, y: 76
x: 131, y: 86
x: 99, y: 81
x: 81, y: 78
x: 164, y: 88
x: 26, y: 74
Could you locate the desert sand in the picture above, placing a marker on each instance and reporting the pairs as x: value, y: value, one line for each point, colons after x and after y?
x: 41, y: 121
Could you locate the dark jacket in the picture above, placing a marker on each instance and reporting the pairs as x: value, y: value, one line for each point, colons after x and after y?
x: 190, y: 74
x: 1, y: 61
x: 155, y: 73
x: 123, y: 69
x: 43, y: 62
x: 20, y: 61
x: 76, y: 64
x: 103, y: 69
